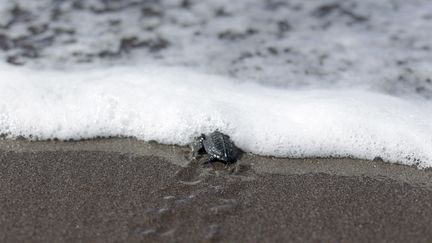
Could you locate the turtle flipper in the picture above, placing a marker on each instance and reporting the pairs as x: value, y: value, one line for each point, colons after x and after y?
x: 197, y: 146
x: 208, y: 159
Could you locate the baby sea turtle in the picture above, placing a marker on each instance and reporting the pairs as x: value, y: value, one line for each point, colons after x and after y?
x: 218, y: 146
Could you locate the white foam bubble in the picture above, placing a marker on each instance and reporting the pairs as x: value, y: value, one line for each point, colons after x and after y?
x: 172, y: 105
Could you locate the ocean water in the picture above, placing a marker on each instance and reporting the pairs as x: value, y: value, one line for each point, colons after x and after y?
x: 282, y: 78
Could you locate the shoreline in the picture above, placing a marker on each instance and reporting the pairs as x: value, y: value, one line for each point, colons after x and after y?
x: 180, y: 156
x: 122, y: 189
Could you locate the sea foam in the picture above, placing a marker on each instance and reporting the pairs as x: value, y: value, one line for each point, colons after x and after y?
x: 173, y: 105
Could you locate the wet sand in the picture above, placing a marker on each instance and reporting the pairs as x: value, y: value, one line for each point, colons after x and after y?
x: 123, y: 190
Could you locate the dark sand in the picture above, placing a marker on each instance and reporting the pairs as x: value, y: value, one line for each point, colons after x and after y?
x: 139, y: 192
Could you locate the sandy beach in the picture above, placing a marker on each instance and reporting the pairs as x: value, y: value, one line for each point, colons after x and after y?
x: 292, y: 78
x: 124, y: 190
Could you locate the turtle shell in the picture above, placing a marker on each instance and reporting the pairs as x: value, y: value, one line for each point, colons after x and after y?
x: 221, y: 147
